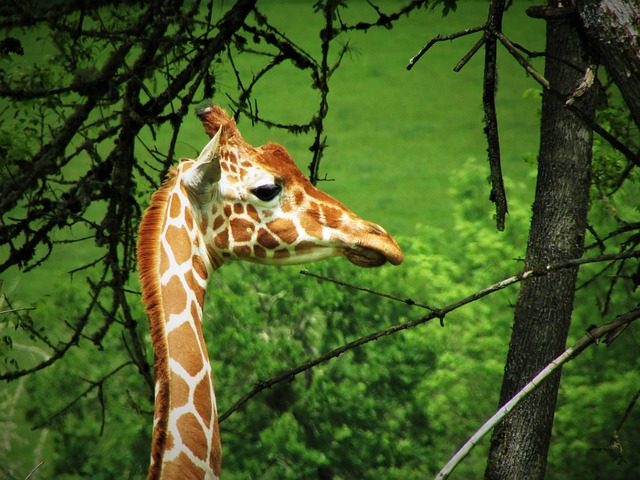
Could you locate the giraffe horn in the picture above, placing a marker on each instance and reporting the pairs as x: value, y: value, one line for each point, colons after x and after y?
x: 205, y: 173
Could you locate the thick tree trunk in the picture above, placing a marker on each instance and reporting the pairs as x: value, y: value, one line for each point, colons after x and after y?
x: 520, y: 443
x: 613, y: 28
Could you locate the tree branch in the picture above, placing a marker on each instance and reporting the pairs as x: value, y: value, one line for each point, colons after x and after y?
x: 591, y: 337
x: 435, y: 313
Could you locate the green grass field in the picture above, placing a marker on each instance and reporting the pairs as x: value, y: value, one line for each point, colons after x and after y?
x: 395, y: 136
x: 397, y: 140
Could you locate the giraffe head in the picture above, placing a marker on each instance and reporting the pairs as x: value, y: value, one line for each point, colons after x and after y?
x: 234, y: 202
x: 255, y: 204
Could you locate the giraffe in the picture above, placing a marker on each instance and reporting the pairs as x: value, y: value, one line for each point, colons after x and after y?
x: 234, y: 202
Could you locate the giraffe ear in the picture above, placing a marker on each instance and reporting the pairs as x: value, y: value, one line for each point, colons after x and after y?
x: 205, y: 173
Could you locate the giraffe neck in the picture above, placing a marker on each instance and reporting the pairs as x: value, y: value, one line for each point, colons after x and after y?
x: 186, y: 441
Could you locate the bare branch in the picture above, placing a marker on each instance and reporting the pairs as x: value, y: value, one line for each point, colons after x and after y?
x: 435, y: 313
x: 591, y: 337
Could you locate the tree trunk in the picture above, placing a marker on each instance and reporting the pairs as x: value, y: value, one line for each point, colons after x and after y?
x: 613, y: 28
x: 520, y: 443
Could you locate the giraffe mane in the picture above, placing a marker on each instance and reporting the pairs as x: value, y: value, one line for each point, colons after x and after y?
x: 148, y: 250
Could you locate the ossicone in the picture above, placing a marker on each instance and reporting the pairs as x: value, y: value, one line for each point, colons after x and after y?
x: 213, y: 117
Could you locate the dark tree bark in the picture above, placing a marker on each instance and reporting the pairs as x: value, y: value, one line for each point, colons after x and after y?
x: 613, y: 28
x: 520, y: 443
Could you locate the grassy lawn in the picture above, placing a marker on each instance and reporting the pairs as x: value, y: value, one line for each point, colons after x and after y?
x: 395, y: 136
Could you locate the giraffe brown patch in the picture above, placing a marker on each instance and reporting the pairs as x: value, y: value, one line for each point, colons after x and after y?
x: 311, y: 226
x: 202, y: 399
x: 227, y: 210
x: 182, y: 467
x: 188, y: 219
x: 174, y: 298
x: 298, y: 196
x: 238, y: 208
x: 305, y: 245
x: 233, y: 168
x: 259, y: 252
x: 224, y: 165
x: 169, y: 441
x: 242, y: 250
x: 218, y: 221
x: 282, y: 253
x: 175, y: 206
x: 267, y: 240
x: 332, y: 216
x: 184, y: 348
x: 179, y: 391
x: 241, y: 229
x: 204, y: 224
x: 193, y: 436
x: 222, y: 240
x: 198, y: 290
x: 164, y: 261
x: 199, y: 266
x: 178, y: 238
x: 253, y: 213
x: 216, y: 448
x: 284, y: 229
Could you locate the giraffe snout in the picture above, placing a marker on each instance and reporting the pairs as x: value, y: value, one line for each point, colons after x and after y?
x: 372, y: 246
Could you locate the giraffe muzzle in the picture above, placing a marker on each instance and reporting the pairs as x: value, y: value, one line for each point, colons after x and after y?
x: 372, y: 246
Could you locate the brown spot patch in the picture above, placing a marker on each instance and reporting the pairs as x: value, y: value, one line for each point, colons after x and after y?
x: 175, y: 206
x: 174, y: 298
x: 218, y: 221
x: 192, y: 435
x: 199, y: 266
x: 222, y: 240
x: 242, y: 250
x: 241, y: 229
x: 184, y: 348
x: 238, y: 208
x: 202, y: 399
x: 311, y: 226
x: 188, y: 219
x: 182, y: 467
x: 267, y: 240
x: 253, y: 213
x: 164, y: 261
x: 298, y: 197
x: 178, y: 238
x: 227, y: 210
x: 179, y: 391
x: 284, y: 229
x: 204, y: 224
x: 332, y: 216
x: 199, y: 291
x: 259, y: 252
x: 305, y: 246
x: 281, y: 253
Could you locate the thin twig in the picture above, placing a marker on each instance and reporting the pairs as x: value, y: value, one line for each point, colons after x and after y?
x: 408, y: 301
x: 441, y: 38
x: 435, y: 313
x: 98, y: 384
x: 522, y: 61
x: 592, y: 336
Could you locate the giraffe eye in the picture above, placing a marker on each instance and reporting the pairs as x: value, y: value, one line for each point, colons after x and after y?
x: 267, y: 192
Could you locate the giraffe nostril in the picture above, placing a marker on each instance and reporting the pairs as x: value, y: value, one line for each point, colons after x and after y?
x: 377, y: 229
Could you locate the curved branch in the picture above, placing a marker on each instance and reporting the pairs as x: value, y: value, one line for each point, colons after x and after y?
x: 435, y: 313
